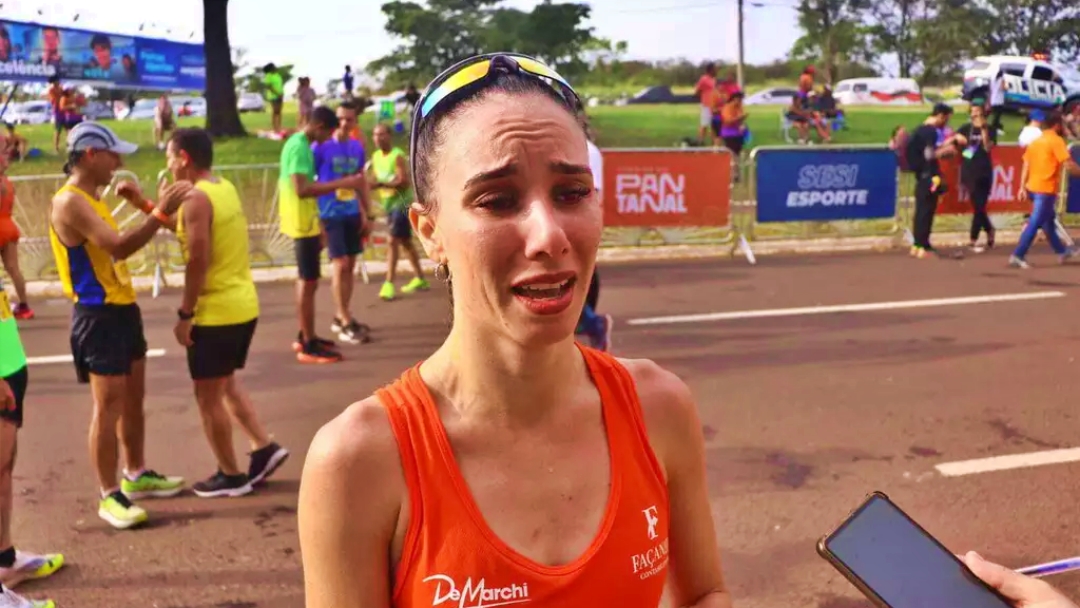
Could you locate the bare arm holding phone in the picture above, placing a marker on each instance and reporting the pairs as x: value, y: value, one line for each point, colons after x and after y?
x: 1023, y: 591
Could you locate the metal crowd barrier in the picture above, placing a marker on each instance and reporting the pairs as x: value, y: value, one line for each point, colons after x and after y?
x: 671, y: 196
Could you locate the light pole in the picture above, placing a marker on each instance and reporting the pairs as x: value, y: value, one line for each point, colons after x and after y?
x: 739, y: 21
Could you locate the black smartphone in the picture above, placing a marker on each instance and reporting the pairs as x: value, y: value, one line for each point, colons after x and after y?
x: 898, y: 564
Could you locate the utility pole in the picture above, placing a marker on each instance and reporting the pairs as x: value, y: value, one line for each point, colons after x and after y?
x: 739, y: 20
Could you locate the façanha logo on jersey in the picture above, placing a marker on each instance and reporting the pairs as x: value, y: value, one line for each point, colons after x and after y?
x: 475, y: 594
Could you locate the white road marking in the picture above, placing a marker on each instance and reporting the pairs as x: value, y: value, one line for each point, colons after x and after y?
x: 819, y: 310
x: 1005, y: 463
x: 151, y: 353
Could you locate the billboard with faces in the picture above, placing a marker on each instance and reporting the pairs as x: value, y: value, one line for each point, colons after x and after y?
x: 32, y: 52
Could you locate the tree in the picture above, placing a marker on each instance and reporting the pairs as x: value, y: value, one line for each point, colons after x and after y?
x: 222, y: 115
x: 1026, y: 26
x: 891, y: 30
x: 552, y: 32
x: 832, y: 29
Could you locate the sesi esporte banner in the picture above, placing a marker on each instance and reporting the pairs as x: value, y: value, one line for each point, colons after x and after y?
x: 666, y: 188
x: 798, y: 185
x: 32, y: 52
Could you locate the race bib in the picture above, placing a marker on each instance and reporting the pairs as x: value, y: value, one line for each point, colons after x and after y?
x: 345, y: 194
x: 5, y: 306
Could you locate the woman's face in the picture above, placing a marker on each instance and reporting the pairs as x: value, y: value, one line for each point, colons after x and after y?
x: 517, y: 218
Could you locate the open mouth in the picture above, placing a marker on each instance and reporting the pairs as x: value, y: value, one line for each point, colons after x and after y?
x: 545, y: 291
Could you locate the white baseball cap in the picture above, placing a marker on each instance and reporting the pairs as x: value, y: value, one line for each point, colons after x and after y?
x: 90, y: 135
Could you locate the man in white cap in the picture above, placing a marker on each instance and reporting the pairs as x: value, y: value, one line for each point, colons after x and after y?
x: 107, y: 339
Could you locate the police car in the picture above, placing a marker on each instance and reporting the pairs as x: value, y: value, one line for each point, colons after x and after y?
x: 1030, y: 82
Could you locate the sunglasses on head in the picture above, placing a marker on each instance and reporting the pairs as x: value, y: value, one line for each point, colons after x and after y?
x: 474, y: 70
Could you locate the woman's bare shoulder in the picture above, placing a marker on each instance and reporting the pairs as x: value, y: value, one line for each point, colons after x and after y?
x: 667, y: 404
x: 358, y: 443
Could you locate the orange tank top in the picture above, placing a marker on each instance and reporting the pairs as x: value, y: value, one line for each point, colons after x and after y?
x: 452, y: 559
x: 7, y: 197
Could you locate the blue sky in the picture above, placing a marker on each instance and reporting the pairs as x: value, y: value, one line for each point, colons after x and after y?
x: 321, y: 36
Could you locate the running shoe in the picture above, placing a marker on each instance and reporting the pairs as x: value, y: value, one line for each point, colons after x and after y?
x: 1017, y: 262
x: 22, y: 312
x: 120, y: 512
x: 10, y: 599
x: 29, y: 566
x: 315, y: 352
x: 417, y: 284
x: 298, y: 343
x: 387, y: 292
x: 265, y: 461
x: 151, y: 484
x: 1069, y: 254
x: 221, y: 485
x: 351, y: 332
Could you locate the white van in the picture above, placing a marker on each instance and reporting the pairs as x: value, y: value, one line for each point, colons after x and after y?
x: 878, y: 91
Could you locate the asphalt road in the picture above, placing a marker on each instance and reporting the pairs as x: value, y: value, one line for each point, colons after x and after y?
x: 804, y: 414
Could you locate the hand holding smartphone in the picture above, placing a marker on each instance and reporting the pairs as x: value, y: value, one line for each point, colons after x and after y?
x: 895, y: 563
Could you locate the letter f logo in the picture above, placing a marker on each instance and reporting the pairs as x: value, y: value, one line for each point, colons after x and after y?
x: 651, y: 519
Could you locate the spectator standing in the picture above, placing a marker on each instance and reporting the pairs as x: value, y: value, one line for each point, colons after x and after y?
x: 305, y: 95
x: 977, y: 139
x: 706, y: 93
x: 275, y: 94
x: 923, y: 152
x: 1033, y: 130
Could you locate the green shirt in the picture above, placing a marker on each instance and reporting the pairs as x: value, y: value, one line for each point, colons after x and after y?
x: 275, y: 88
x: 299, y: 216
x: 12, y: 355
x: 384, y: 167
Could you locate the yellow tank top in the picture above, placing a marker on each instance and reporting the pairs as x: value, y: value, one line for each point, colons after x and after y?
x: 88, y: 274
x: 229, y: 296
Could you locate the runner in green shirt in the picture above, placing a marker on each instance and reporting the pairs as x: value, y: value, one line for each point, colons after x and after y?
x: 390, y: 185
x: 298, y: 210
x: 15, y: 566
x: 275, y: 93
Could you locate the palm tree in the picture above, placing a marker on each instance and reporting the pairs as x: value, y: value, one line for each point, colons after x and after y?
x: 222, y: 115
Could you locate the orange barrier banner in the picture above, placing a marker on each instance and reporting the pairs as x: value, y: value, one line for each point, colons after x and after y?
x: 666, y: 188
x: 1008, y: 162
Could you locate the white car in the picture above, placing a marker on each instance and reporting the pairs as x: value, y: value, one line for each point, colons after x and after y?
x: 1029, y: 82
x: 250, y: 102
x: 29, y: 113
x: 144, y: 108
x: 767, y: 97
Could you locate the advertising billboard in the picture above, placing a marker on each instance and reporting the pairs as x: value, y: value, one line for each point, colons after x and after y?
x: 31, y: 52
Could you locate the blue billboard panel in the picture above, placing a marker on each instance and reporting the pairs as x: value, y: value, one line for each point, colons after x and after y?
x: 31, y: 52
x: 825, y: 185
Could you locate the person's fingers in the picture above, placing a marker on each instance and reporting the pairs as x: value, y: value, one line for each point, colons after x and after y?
x: 1011, y: 583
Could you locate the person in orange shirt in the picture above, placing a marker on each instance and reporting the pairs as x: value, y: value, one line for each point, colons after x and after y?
x: 514, y: 462
x: 55, y: 94
x: 1044, y: 159
x: 9, y: 236
x: 733, y: 130
x: 707, y: 93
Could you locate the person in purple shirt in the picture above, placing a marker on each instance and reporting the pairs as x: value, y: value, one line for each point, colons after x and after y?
x: 342, y: 214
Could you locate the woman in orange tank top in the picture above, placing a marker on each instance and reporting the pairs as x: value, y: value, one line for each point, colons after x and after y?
x: 513, y: 466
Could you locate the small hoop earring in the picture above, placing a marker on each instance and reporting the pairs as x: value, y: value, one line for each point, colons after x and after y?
x: 442, y: 272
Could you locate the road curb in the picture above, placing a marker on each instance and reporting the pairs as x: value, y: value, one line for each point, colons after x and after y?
x: 607, y: 255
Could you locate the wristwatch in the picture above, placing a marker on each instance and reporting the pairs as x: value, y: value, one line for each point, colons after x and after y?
x: 184, y: 315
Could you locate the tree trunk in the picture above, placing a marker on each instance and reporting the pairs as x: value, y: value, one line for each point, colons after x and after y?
x: 222, y: 115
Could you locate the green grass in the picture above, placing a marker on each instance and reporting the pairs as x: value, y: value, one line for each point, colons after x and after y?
x: 658, y: 126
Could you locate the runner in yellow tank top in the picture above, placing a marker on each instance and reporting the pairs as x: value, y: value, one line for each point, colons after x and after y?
x: 217, y: 314
x: 107, y: 340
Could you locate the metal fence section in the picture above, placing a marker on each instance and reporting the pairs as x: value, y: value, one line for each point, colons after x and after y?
x: 670, y: 196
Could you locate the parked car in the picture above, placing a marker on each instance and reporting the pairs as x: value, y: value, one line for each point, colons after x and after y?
x: 251, y: 102
x: 660, y: 94
x: 768, y: 97
x: 28, y: 113
x: 1029, y: 82
x: 97, y: 110
x: 878, y: 91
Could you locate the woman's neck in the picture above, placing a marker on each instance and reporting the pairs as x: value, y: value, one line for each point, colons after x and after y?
x: 488, y: 376
x: 85, y: 183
